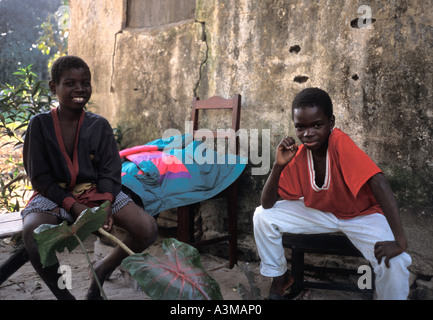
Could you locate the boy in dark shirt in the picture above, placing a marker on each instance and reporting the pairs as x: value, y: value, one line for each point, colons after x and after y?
x: 328, y: 184
x: 73, y: 163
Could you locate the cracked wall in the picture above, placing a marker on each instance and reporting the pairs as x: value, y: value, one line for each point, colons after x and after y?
x: 380, y: 79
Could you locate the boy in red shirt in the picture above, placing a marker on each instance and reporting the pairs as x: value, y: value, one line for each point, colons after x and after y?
x: 328, y: 184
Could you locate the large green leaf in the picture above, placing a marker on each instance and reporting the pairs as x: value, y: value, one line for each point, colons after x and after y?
x: 51, y: 238
x: 179, y: 275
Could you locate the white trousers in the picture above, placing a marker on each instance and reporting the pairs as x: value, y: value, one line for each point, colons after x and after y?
x: 363, y: 231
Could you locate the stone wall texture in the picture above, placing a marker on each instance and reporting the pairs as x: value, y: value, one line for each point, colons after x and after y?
x: 378, y: 73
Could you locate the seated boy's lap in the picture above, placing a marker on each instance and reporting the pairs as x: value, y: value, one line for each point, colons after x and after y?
x: 131, y: 214
x: 34, y: 219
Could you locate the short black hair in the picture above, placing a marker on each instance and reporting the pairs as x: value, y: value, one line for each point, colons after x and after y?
x: 65, y: 63
x: 313, y: 97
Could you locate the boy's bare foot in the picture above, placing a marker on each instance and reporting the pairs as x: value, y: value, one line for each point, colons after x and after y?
x: 94, y: 293
x: 280, y: 285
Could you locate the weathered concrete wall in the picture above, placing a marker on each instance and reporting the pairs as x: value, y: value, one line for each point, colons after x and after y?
x: 380, y: 79
x: 94, y: 28
x: 158, y: 12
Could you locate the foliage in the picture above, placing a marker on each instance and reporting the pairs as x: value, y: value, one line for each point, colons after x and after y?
x: 180, y: 275
x: 119, y: 135
x: 53, y: 40
x: 52, y: 238
x: 177, y: 276
x: 19, y: 29
x: 9, y: 190
x: 18, y: 104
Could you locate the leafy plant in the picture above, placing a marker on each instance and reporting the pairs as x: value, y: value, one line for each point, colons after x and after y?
x: 119, y: 135
x: 56, y: 238
x: 18, y: 104
x: 9, y: 192
x: 177, y: 276
x: 53, y: 39
x: 51, y: 238
x: 19, y: 22
x: 180, y: 275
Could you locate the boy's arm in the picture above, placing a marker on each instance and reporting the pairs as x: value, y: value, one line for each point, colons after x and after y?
x: 286, y: 151
x: 36, y: 159
x: 270, y: 190
x: 381, y: 190
x: 109, y: 165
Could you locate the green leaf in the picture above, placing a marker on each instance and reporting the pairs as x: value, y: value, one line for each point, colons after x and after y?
x: 178, y: 275
x: 51, y: 238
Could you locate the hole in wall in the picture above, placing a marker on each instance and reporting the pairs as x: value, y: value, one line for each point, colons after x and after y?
x: 363, y: 22
x: 295, y: 49
x: 355, y: 77
x: 301, y: 79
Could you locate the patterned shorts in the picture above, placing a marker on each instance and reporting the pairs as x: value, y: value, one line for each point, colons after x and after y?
x: 42, y: 204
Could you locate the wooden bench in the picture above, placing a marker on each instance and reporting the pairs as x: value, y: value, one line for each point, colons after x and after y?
x: 327, y: 244
x: 11, y: 224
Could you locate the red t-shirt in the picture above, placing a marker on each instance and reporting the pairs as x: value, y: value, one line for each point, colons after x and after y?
x: 344, y: 192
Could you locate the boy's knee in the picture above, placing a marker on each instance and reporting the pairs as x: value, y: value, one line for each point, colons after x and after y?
x: 401, y: 262
x: 262, y: 216
x: 27, y: 234
x: 257, y: 216
x: 261, y: 221
x: 153, y: 229
x: 398, y: 265
x: 149, y: 231
x: 30, y: 224
x: 393, y: 283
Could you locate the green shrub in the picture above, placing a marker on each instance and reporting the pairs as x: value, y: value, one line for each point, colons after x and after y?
x: 18, y: 104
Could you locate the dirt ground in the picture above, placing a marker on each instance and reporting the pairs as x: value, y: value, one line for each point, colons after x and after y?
x: 25, y: 284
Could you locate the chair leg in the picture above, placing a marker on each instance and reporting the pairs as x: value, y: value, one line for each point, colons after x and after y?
x: 185, y: 224
x: 297, y: 270
x: 232, y: 226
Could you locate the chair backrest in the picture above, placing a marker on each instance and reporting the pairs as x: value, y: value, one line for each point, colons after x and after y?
x: 215, y: 103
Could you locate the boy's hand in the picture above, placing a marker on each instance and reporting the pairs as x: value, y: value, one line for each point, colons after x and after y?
x: 286, y: 151
x: 77, y: 208
x: 108, y: 224
x: 387, y: 250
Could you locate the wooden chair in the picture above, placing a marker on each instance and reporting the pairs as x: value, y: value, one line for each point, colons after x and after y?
x: 185, y: 214
x: 326, y: 244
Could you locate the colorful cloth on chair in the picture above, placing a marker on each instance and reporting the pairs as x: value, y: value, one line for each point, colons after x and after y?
x: 173, y: 172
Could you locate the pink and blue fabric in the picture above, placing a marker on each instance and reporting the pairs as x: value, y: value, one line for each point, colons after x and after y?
x: 165, y: 175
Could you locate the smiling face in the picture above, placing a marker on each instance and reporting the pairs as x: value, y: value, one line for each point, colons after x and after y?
x: 313, y: 127
x: 73, y: 89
